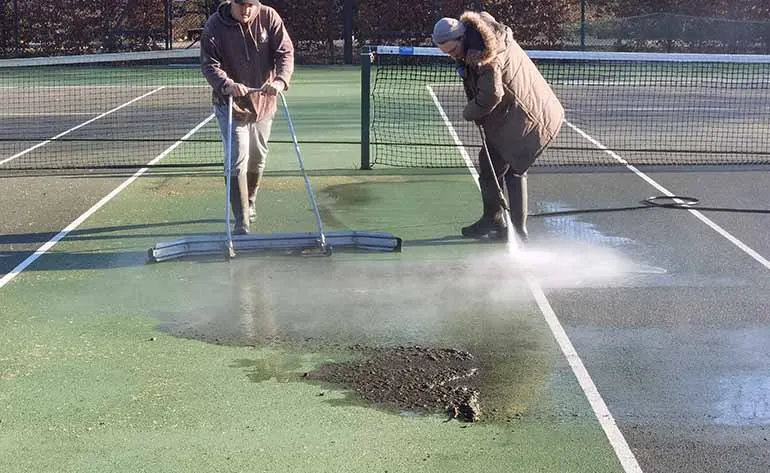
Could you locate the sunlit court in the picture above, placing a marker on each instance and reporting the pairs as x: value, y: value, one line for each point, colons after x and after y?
x: 629, y: 334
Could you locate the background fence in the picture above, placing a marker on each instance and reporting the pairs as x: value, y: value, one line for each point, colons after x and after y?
x: 329, y: 31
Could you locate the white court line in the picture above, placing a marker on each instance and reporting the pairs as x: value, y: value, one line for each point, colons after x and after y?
x: 109, y: 86
x: 102, y: 115
x: 453, y: 134
x: 43, y: 114
x: 78, y: 221
x: 606, y: 420
x: 729, y: 237
x: 602, y: 412
x: 660, y: 109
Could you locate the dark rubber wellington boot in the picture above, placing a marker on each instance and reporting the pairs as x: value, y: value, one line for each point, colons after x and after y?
x: 517, y: 202
x: 253, y: 179
x: 492, y: 223
x: 239, y: 202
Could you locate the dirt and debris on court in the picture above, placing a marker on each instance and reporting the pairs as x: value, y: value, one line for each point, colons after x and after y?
x: 413, y: 379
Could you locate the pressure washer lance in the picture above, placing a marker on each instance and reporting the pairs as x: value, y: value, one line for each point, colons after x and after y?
x: 503, y: 200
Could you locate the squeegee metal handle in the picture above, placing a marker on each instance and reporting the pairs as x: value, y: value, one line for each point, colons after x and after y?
x: 228, y: 169
x: 309, y: 188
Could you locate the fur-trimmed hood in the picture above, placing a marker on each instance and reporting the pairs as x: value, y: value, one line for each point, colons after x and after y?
x: 493, y: 38
x: 506, y: 93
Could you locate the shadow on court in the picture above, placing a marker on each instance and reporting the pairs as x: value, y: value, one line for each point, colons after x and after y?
x: 103, y: 233
x: 16, y: 247
x: 73, y: 260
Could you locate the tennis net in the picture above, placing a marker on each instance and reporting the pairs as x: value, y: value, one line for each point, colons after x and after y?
x: 637, y: 108
x: 125, y: 110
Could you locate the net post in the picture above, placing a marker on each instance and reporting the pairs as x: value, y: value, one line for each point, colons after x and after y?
x: 366, y: 72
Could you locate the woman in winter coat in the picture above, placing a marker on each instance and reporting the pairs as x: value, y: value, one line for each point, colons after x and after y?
x: 517, y: 112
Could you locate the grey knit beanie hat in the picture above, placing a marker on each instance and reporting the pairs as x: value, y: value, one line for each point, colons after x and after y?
x: 447, y: 29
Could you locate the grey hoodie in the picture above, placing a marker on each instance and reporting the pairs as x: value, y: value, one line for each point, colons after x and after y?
x: 251, y: 54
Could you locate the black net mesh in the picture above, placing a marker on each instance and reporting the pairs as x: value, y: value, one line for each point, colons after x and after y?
x: 656, y: 109
x: 108, y: 111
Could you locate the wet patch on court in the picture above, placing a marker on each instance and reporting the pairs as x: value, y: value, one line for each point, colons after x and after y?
x: 455, y: 335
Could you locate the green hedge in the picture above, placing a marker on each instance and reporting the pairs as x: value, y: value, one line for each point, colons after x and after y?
x: 43, y: 28
x: 60, y: 27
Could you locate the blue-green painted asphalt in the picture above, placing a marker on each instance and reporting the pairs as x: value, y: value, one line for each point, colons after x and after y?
x: 92, y: 379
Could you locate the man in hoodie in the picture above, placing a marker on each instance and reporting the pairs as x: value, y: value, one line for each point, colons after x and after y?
x: 244, y: 47
x: 511, y: 101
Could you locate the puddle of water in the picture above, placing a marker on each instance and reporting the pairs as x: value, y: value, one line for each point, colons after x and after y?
x: 744, y: 401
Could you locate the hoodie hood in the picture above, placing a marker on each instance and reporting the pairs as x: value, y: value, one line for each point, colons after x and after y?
x: 224, y: 15
x: 223, y: 11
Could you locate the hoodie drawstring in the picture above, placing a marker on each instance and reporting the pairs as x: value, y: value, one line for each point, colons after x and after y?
x: 245, y: 46
x: 253, y: 38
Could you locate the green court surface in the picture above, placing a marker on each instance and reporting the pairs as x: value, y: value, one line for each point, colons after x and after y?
x: 109, y: 364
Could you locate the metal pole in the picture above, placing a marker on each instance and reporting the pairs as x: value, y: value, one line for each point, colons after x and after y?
x: 582, y: 24
x: 16, y: 16
x: 229, y: 248
x: 347, y: 31
x: 500, y: 193
x: 366, y: 70
x: 319, y: 224
x: 167, y: 22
